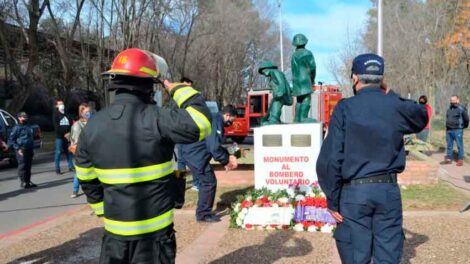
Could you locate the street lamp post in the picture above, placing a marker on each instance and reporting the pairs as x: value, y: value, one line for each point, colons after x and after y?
x: 379, y: 29
x: 279, y: 2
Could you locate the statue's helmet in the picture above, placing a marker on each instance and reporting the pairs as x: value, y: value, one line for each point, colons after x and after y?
x: 299, y: 40
x: 266, y: 65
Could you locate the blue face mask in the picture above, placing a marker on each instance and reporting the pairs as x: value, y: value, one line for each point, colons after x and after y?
x: 87, y: 115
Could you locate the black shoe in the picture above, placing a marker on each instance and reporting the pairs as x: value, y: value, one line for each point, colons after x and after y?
x: 72, y: 169
x: 30, y: 185
x: 57, y: 171
x: 209, y: 219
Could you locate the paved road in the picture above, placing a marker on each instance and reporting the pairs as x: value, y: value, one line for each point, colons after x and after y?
x: 20, y: 207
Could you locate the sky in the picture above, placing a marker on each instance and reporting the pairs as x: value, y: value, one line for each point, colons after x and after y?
x: 326, y: 24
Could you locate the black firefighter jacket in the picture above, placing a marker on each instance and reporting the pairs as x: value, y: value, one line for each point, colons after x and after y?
x: 124, y: 160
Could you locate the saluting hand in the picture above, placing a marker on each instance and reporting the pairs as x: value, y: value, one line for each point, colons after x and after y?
x: 337, y: 216
x: 169, y: 85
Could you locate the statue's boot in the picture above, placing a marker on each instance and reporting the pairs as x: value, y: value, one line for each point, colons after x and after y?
x: 274, y: 113
x: 304, y: 109
x: 298, y: 107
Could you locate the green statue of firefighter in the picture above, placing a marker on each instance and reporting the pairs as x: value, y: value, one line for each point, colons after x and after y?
x: 277, y: 82
x: 303, y: 77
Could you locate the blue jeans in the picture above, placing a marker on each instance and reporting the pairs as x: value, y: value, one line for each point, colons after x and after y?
x: 62, y: 146
x: 76, y: 185
x: 457, y: 135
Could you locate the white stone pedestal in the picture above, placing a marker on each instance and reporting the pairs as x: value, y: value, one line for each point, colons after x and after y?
x: 286, y: 155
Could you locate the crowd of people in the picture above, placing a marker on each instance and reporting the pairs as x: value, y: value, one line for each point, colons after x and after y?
x: 135, y: 188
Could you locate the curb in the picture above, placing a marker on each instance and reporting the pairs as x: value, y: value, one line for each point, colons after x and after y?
x: 16, y: 235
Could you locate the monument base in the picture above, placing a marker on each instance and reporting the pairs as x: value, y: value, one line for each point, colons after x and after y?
x: 286, y: 154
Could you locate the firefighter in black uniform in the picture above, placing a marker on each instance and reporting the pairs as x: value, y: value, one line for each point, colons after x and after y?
x: 124, y: 159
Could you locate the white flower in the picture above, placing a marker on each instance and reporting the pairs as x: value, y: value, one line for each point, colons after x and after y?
x: 275, y: 205
x: 292, y: 211
x: 283, y: 200
x: 241, y: 216
x: 299, y: 197
x: 322, y: 194
x: 312, y: 194
x: 312, y: 228
x: 299, y: 227
x: 248, y: 198
x: 239, y: 221
x: 244, y: 211
x: 327, y: 228
x: 255, y: 206
x: 290, y: 192
x: 237, y: 208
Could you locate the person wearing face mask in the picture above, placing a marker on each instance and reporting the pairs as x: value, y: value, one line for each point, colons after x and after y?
x: 456, y: 122
x: 198, y: 155
x: 84, y: 113
x: 280, y: 88
x: 359, y: 161
x: 62, y: 125
x: 423, y: 135
x: 22, y: 141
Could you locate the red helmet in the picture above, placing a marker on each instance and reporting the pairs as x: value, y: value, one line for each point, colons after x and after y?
x: 134, y: 62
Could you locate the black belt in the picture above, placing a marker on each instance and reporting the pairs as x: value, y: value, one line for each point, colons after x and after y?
x: 382, y: 178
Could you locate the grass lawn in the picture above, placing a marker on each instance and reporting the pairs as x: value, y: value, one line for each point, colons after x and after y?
x: 432, y: 197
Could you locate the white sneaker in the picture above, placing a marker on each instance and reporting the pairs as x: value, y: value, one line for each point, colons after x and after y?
x: 195, y: 188
x: 74, y: 195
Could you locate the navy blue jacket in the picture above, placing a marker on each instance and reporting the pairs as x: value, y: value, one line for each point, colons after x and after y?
x: 365, y: 138
x: 201, y: 152
x: 456, y: 117
x: 21, y: 137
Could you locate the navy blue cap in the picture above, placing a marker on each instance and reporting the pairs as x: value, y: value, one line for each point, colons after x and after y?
x: 368, y: 63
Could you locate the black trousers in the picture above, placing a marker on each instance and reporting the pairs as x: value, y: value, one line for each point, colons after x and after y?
x: 25, y: 162
x: 207, y: 188
x: 160, y: 249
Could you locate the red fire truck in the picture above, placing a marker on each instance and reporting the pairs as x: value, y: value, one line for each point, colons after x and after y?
x: 324, y: 99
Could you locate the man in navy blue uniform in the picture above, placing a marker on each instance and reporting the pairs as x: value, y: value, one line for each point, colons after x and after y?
x: 22, y: 140
x: 359, y: 161
x: 198, y: 155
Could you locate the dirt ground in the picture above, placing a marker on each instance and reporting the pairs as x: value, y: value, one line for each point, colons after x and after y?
x: 78, y: 240
x: 431, y: 237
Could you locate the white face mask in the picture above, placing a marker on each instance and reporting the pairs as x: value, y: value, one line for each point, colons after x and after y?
x: 61, y: 108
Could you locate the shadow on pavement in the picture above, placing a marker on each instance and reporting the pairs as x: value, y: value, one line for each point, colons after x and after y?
x: 276, y: 246
x: 413, y: 241
x: 84, y: 249
x: 228, y: 198
x: 5, y: 196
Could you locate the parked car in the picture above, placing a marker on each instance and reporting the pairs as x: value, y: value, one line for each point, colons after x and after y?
x: 7, y: 122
